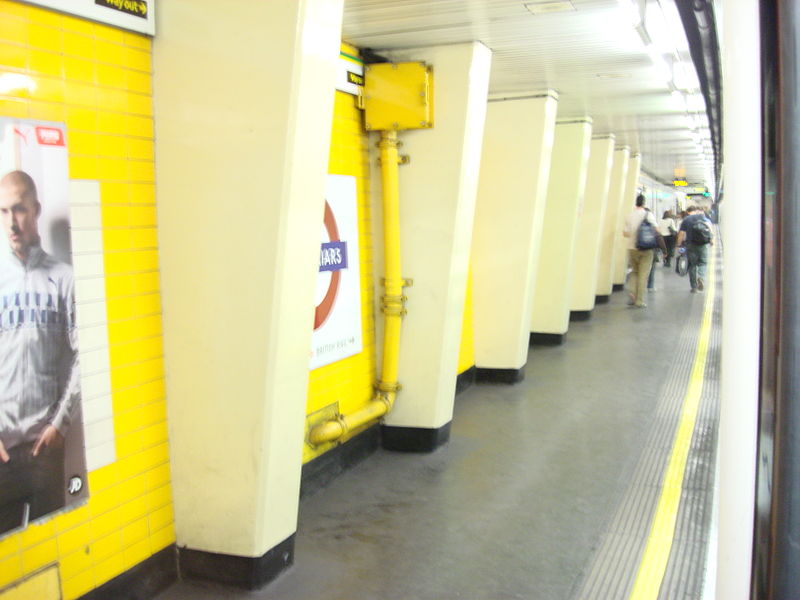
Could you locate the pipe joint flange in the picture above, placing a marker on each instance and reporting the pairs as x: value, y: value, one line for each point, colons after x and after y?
x: 388, y: 387
x: 342, y: 423
x: 388, y: 142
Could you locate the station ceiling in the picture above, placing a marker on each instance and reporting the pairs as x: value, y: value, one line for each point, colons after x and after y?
x: 624, y: 63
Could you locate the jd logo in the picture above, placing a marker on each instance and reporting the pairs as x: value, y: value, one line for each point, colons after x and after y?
x: 75, y: 485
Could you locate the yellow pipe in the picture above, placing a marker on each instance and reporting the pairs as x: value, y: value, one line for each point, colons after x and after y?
x: 392, y: 304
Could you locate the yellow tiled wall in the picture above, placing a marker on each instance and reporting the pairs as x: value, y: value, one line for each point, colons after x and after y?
x: 349, y: 382
x: 97, y: 80
x: 466, y: 354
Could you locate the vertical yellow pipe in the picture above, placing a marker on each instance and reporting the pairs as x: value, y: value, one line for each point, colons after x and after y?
x: 392, y: 304
x: 393, y: 283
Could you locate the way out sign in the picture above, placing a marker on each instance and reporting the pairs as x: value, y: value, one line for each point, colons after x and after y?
x: 337, y: 318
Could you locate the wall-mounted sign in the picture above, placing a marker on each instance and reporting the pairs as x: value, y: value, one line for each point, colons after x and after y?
x: 350, y: 77
x: 680, y: 182
x: 337, y: 319
x: 134, y: 15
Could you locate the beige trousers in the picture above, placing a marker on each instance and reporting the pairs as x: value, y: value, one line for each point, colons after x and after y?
x: 640, y: 262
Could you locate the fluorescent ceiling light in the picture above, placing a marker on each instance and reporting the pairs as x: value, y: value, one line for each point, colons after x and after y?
x: 631, y: 12
x: 659, y: 62
x: 549, y: 6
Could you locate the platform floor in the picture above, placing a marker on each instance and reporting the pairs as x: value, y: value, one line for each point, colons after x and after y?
x: 547, y: 489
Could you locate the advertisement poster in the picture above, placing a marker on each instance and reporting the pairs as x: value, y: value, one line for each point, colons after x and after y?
x: 337, y: 320
x: 42, y: 456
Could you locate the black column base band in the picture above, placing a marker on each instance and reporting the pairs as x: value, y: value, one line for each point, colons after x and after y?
x: 143, y: 581
x: 508, y: 376
x: 465, y: 380
x: 602, y: 299
x: 414, y: 439
x: 618, y: 287
x: 580, y: 315
x: 245, y: 572
x: 319, y: 472
x: 547, y: 339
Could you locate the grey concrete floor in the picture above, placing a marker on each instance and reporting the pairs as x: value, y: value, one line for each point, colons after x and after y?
x: 516, y: 503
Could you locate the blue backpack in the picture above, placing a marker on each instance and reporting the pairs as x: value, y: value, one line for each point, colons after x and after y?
x: 646, y: 236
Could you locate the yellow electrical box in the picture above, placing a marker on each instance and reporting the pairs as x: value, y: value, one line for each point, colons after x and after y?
x: 398, y: 96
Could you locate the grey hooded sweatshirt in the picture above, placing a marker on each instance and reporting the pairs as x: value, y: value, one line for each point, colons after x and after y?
x: 39, y: 379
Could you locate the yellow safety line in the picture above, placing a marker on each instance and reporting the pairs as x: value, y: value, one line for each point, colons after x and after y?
x: 662, y: 532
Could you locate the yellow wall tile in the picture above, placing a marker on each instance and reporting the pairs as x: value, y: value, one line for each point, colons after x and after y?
x: 14, y: 107
x: 77, y: 44
x: 72, y: 564
x: 45, y: 63
x: 162, y: 538
x: 113, y: 168
x: 36, y: 557
x: 80, y: 119
x: 108, y: 34
x: 109, y: 53
x: 73, y: 518
x: 11, y: 545
x: 157, y: 477
x: 137, y: 60
x: 45, y: 37
x: 81, y: 94
x: 103, y: 547
x: 14, y: 30
x: 136, y: 553
x: 10, y: 569
x: 8, y: 8
x: 145, y: 238
x: 136, y: 40
x: 36, y: 533
x: 135, y: 532
x: 159, y: 497
x: 142, y: 170
x: 77, y: 586
x: 83, y: 167
x: 49, y: 90
x: 109, y: 568
x: 46, y: 111
x: 142, y: 193
x: 79, y: 69
x: 113, y: 123
x: 12, y: 57
x: 161, y: 518
x: 75, y: 538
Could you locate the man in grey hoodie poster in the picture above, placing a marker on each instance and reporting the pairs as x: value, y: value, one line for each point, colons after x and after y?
x: 39, y: 379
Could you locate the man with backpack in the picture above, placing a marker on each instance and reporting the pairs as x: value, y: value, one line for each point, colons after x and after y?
x: 641, y: 229
x: 696, y: 234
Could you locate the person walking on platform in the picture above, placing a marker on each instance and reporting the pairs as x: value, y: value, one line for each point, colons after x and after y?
x: 641, y: 229
x: 696, y: 234
x: 668, y: 229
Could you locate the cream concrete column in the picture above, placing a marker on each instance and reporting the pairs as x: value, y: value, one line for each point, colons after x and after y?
x: 243, y: 113
x: 738, y: 455
x: 595, y: 204
x: 437, y: 206
x: 565, y: 191
x: 628, y: 203
x: 616, y: 191
x: 515, y: 169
